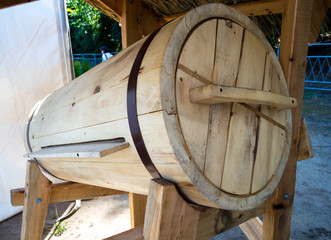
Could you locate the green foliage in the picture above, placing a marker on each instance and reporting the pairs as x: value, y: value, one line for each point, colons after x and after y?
x: 59, y: 228
x: 79, y: 69
x: 90, y: 29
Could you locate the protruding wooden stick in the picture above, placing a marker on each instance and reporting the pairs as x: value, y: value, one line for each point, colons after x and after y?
x: 214, y: 94
x: 137, y: 209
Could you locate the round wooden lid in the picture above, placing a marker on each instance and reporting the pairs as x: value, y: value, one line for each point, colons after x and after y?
x: 230, y: 98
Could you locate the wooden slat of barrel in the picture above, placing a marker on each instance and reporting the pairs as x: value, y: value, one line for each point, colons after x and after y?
x: 243, y: 124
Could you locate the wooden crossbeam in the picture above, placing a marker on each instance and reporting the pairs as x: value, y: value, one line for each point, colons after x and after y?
x: 252, y: 228
x: 255, y: 8
x: 319, y: 13
x: 10, y: 3
x: 305, y: 150
x: 214, y: 221
x: 64, y: 192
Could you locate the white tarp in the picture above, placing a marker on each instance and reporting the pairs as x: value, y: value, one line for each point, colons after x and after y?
x: 33, y: 63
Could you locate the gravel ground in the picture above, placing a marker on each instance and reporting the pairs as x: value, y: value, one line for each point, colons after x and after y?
x: 103, y: 217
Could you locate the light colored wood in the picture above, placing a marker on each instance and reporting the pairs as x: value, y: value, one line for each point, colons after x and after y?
x: 168, y: 215
x: 132, y: 234
x: 93, y: 108
x: 237, y: 172
x: 272, y: 134
x: 319, y: 13
x: 80, y: 150
x: 194, y: 116
x: 64, y: 192
x: 255, y: 8
x: 214, y: 94
x: 215, y: 221
x: 37, y: 196
x: 228, y: 49
x: 252, y: 228
x: 305, y: 150
x: 292, y: 57
x: 137, y: 209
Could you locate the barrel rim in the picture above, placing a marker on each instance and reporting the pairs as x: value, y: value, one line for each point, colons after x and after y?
x: 168, y: 100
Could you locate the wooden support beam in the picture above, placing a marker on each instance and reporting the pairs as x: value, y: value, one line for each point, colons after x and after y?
x: 168, y: 215
x: 132, y: 234
x: 214, y: 94
x: 137, y: 21
x: 214, y: 221
x: 137, y: 209
x: 260, y: 7
x: 292, y: 57
x: 37, y: 197
x: 305, y: 150
x: 111, y: 8
x: 255, y: 8
x: 252, y: 228
x: 10, y: 3
x: 64, y: 192
x: 319, y: 13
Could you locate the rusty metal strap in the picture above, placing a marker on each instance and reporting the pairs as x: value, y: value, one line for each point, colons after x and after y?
x: 132, y: 109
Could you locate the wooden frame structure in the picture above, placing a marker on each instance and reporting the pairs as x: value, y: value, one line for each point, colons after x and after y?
x: 302, y: 20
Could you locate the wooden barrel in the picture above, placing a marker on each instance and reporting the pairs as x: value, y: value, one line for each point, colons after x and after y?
x: 212, y: 107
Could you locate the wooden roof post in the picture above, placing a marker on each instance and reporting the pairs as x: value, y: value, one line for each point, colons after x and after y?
x: 293, y: 57
x: 137, y: 21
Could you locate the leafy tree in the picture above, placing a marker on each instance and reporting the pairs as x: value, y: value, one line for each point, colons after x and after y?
x: 90, y: 29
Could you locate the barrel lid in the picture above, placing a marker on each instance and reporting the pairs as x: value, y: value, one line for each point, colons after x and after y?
x: 235, y: 151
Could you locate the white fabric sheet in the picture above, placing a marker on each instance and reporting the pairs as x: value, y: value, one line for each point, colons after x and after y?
x: 31, y: 67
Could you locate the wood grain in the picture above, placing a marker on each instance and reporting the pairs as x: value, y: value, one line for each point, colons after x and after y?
x: 37, y: 197
x: 64, y: 192
x: 168, y: 216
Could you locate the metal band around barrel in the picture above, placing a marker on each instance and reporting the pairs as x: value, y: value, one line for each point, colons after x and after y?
x: 132, y: 109
x: 28, y: 137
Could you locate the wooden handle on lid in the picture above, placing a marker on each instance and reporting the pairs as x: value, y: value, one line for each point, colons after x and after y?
x: 214, y: 94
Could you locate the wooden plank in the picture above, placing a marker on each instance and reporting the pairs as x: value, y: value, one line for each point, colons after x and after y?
x: 255, y: 8
x: 319, y: 13
x: 10, y: 3
x: 214, y: 94
x: 228, y: 49
x: 252, y: 228
x: 168, y: 215
x: 240, y: 152
x: 305, y: 150
x: 137, y: 209
x: 111, y: 8
x: 132, y: 234
x: 64, y: 192
x: 194, y: 116
x: 292, y: 57
x: 137, y: 21
x: 97, y: 149
x: 273, y: 132
x: 214, y: 221
x: 36, y: 200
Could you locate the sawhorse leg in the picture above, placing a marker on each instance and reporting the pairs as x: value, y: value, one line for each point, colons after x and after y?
x: 36, y: 200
